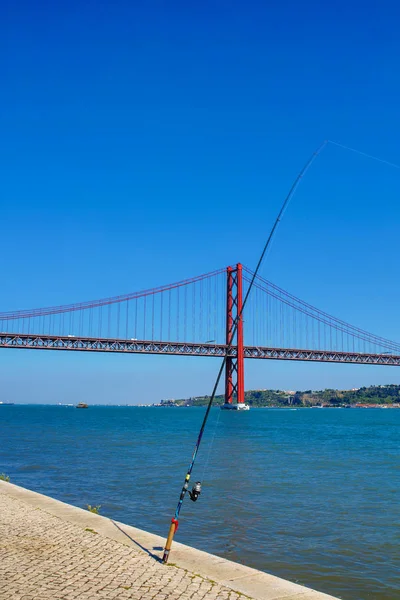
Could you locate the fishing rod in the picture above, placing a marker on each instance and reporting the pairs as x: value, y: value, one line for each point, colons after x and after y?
x: 196, y: 490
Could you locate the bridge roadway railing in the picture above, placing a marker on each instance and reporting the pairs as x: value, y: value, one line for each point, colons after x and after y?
x: 92, y: 344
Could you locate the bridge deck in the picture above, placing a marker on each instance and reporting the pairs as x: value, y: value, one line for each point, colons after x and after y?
x: 88, y: 344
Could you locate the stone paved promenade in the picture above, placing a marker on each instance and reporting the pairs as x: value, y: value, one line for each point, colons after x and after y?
x: 43, y: 557
x: 72, y: 557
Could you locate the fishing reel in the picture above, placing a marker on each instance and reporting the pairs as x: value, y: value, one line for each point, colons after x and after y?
x: 196, y: 491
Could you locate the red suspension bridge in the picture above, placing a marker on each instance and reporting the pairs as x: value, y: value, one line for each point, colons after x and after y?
x: 195, y: 317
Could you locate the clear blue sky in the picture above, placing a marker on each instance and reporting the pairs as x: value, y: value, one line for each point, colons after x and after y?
x: 145, y: 142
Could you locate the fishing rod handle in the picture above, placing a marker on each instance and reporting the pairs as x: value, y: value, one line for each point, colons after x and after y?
x: 168, y: 544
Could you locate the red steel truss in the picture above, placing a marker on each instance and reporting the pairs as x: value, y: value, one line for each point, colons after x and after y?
x: 86, y: 344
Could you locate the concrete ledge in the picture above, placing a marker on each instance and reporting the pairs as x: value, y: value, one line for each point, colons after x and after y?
x: 255, y: 584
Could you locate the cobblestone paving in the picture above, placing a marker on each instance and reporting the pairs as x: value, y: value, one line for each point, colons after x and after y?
x: 43, y: 557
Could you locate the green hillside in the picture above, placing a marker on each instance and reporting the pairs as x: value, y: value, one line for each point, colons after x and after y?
x: 381, y: 395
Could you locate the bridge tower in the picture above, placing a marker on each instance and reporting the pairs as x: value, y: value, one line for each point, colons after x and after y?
x: 234, y: 368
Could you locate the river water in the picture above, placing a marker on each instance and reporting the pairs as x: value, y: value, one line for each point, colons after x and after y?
x: 309, y: 495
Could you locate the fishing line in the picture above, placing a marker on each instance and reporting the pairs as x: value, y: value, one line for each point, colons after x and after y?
x: 211, y: 446
x: 381, y: 160
x: 197, y: 488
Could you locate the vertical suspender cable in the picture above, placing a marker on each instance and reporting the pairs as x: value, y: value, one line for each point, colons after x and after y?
x: 161, y: 315
x: 118, y: 317
x: 152, y: 319
x: 144, y: 326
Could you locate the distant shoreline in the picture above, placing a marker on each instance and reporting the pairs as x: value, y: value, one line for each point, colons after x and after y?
x: 380, y: 396
x: 271, y: 407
